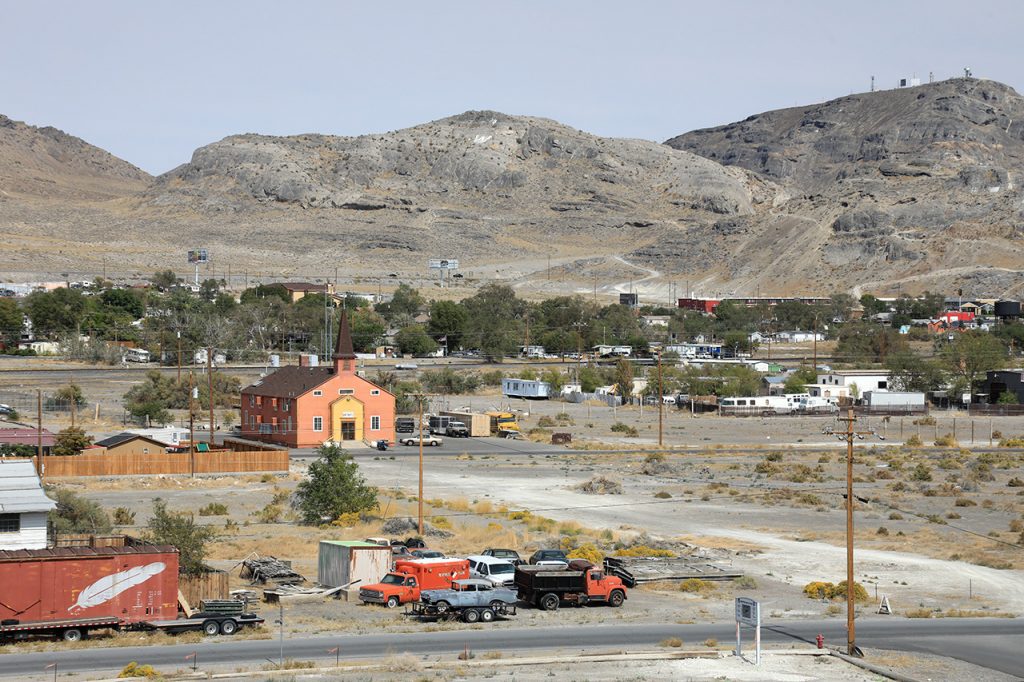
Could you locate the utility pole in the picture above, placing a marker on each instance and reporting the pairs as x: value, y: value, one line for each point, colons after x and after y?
x: 815, y: 337
x: 39, y: 432
x: 419, y: 498
x: 848, y: 435
x: 209, y: 388
x: 661, y: 404
x: 191, y: 429
x: 179, y: 356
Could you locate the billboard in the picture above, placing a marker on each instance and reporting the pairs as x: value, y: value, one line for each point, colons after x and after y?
x: 443, y: 264
x: 198, y: 256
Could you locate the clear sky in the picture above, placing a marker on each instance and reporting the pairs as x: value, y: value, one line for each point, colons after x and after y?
x: 151, y: 81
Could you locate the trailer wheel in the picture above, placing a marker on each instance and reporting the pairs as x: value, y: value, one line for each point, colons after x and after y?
x: 471, y: 616
x: 497, y: 605
x: 228, y: 627
x: 392, y: 601
x: 72, y: 635
x: 616, y: 598
x: 549, y: 602
x: 211, y: 627
x: 487, y: 615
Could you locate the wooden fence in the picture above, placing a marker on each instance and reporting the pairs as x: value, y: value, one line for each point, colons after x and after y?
x: 210, y: 585
x: 107, y: 464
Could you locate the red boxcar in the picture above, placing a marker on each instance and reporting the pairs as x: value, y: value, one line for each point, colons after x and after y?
x: 82, y: 584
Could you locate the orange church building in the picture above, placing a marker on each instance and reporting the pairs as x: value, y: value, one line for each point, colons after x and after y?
x: 304, y: 406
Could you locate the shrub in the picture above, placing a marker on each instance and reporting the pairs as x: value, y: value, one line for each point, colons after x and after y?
x: 133, y: 669
x: 696, y: 585
x: 925, y: 421
x: 773, y: 457
x: 589, y: 552
x: 921, y: 473
x: 662, y: 495
x: 964, y: 502
x: 644, y: 550
x: 746, y: 582
x: 269, y: 514
x: 895, y: 516
x: 1011, y: 442
x: 625, y: 429
x: 123, y: 516
x: 765, y: 467
x: 946, y: 441
x: 546, y: 422
x: 711, y: 642
x: 882, y: 530
x: 181, y: 531
x: 914, y: 441
x: 75, y: 514
x: 1015, y: 482
x: 214, y: 509
x: 823, y: 590
x: 673, y: 642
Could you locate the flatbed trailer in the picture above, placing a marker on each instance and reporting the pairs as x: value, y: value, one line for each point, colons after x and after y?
x: 210, y: 623
x: 468, y: 614
x: 70, y: 629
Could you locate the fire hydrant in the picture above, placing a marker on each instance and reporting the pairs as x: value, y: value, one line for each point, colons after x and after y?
x: 821, y: 641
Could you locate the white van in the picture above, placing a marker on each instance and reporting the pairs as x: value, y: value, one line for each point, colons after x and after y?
x: 498, y: 572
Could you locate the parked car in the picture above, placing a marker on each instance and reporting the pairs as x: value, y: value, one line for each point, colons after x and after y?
x: 500, y: 572
x: 6, y: 409
x: 510, y: 555
x: 428, y: 439
x: 405, y: 425
x: 478, y: 600
x: 427, y: 554
x: 456, y: 430
x: 549, y: 557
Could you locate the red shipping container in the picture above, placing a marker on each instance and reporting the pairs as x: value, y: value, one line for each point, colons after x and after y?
x: 132, y: 583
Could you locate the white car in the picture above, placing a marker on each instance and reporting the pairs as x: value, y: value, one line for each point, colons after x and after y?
x: 414, y: 439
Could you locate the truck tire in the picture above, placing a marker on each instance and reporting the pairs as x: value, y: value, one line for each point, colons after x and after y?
x: 487, y: 615
x: 211, y: 627
x: 549, y: 602
x: 72, y: 635
x: 392, y: 602
x: 616, y: 598
x: 228, y: 627
x: 442, y: 606
x: 471, y: 615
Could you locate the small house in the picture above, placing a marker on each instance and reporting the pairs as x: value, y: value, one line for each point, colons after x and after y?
x: 126, y: 443
x: 23, y: 506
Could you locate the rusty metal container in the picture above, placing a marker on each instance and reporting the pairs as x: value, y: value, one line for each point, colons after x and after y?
x: 131, y: 583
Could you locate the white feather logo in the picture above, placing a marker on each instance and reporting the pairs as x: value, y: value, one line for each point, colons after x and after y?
x: 110, y: 586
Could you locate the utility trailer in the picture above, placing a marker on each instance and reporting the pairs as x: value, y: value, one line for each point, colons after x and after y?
x: 210, y: 623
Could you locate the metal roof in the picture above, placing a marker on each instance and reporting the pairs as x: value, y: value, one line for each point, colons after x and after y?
x: 20, y: 489
x: 83, y: 552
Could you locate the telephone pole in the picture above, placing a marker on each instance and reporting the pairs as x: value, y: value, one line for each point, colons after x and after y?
x: 661, y: 404
x: 191, y: 428
x: 179, y: 357
x: 419, y: 401
x: 39, y: 432
x: 209, y: 388
x: 848, y: 435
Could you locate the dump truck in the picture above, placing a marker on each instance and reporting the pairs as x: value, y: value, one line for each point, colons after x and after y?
x: 67, y: 592
x: 580, y: 583
x: 403, y: 585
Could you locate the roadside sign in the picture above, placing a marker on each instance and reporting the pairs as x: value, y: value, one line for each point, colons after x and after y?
x: 443, y: 264
x: 748, y: 612
x: 196, y: 256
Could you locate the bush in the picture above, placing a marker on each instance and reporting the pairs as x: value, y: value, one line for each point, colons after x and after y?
x: 925, y: 421
x: 882, y: 530
x: 914, y: 441
x: 133, y: 669
x: 823, y: 590
x: 625, y: 429
x: 921, y: 473
x: 124, y: 516
x: 946, y: 441
x: 964, y: 502
x: 774, y: 457
x: 588, y: 552
x: 746, y: 582
x: 213, y: 509
x: 1015, y: 482
x: 696, y: 585
x: 75, y: 514
x: 181, y: 531
x: 644, y: 550
x: 662, y: 495
x: 546, y: 422
x: 269, y: 514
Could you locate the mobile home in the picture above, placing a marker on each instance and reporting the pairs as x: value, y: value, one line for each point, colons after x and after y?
x: 525, y: 388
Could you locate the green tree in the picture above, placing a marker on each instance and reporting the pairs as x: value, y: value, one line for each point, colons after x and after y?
x: 624, y: 378
x: 911, y: 372
x: 60, y: 310
x: 123, y: 300
x: 75, y: 514
x: 71, y: 441
x: 11, y: 322
x: 970, y: 355
x: 334, y: 487
x: 447, y: 320
x: 494, y: 320
x: 261, y: 291
x: 164, y: 279
x: 739, y: 380
x: 181, y: 531
x: 797, y: 381
x: 68, y: 394
x: 554, y: 378
x: 415, y: 341
x: 406, y: 301
x: 367, y: 329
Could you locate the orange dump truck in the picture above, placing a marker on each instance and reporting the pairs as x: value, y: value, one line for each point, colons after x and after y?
x: 403, y: 585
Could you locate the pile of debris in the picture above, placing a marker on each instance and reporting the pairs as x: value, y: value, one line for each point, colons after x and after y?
x: 637, y: 570
x: 599, y: 485
x: 259, y: 569
x: 399, y: 526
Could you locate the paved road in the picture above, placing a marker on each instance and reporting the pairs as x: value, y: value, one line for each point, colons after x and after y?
x: 994, y: 643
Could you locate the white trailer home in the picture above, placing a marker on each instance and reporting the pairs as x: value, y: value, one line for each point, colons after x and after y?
x: 525, y: 388
x: 756, y: 405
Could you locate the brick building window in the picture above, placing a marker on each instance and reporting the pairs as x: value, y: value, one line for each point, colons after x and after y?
x: 318, y: 393
x: 375, y: 391
x: 318, y: 423
x: 375, y: 423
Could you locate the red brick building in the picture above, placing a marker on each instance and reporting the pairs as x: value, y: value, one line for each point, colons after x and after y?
x: 303, y: 406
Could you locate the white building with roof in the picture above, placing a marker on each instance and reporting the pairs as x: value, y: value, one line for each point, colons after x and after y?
x: 23, y: 506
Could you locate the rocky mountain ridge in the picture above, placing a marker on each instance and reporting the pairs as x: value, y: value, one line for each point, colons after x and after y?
x: 908, y: 189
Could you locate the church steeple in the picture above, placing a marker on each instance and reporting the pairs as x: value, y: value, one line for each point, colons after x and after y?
x: 343, y: 353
